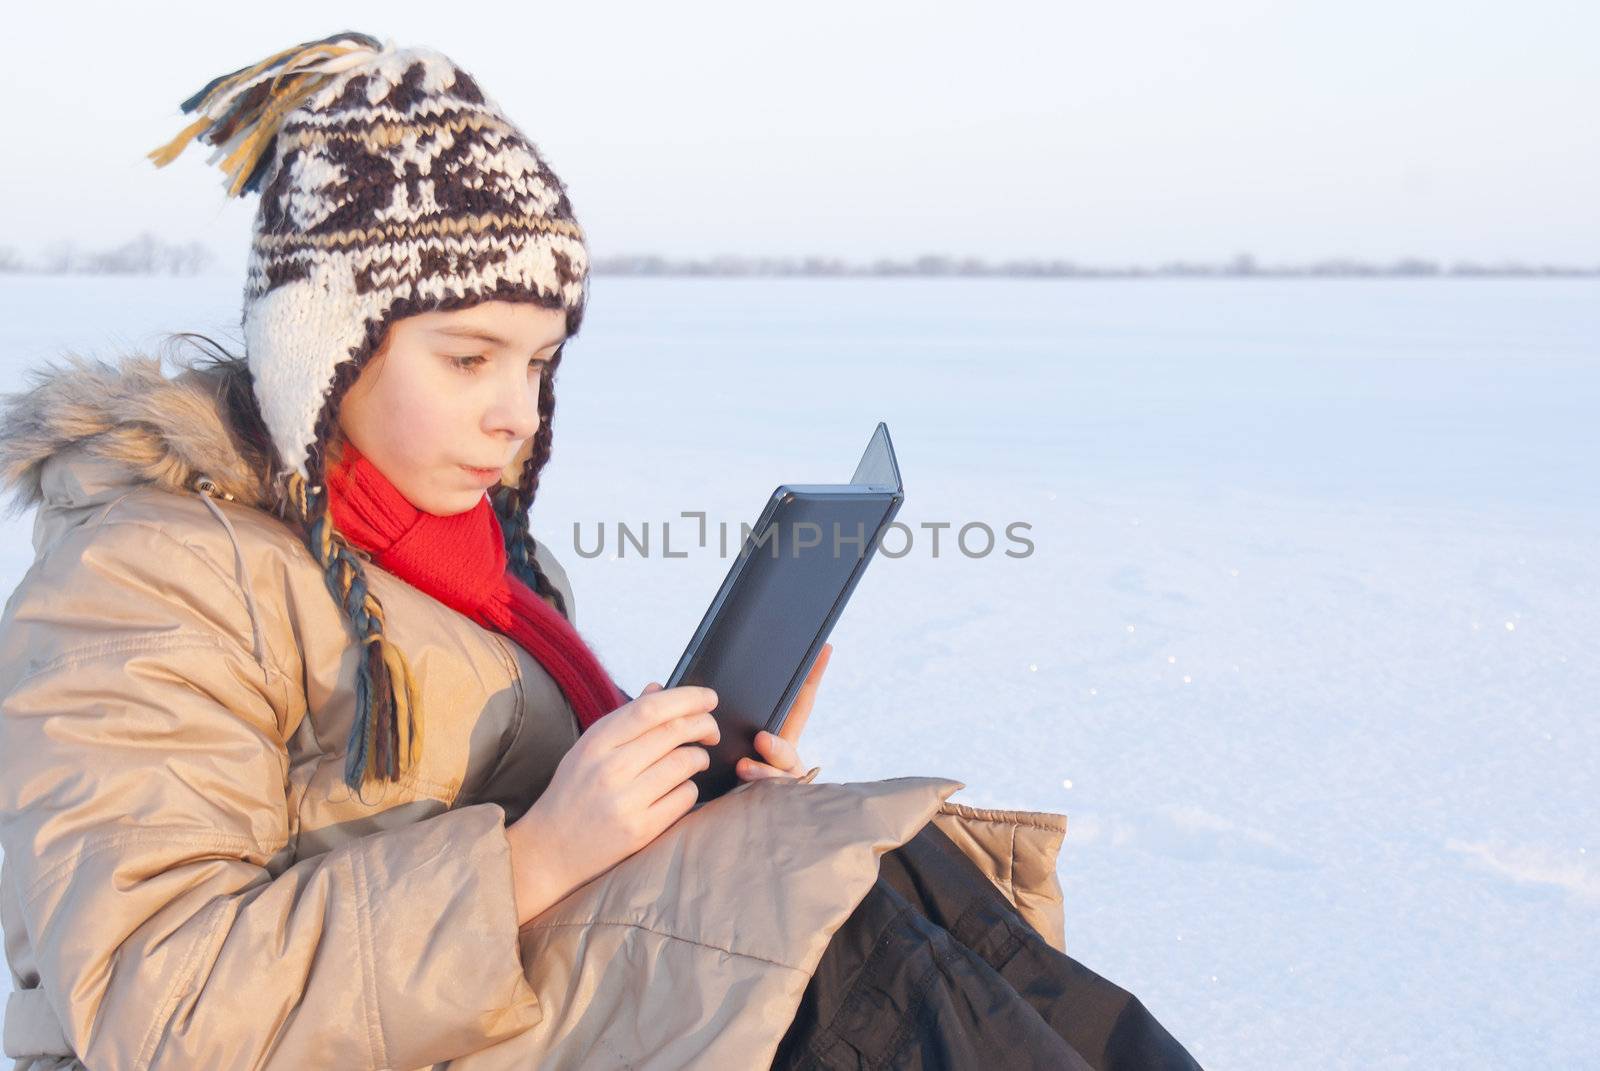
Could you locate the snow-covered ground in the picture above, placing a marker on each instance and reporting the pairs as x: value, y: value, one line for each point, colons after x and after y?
x: 1305, y: 647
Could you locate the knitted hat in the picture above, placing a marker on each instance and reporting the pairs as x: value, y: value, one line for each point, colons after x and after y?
x: 390, y: 186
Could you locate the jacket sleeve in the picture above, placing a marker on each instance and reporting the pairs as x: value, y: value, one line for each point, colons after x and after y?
x: 143, y: 791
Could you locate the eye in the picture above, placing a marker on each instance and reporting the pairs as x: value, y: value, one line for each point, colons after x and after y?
x: 467, y: 363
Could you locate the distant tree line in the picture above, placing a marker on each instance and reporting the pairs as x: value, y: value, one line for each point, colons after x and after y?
x: 150, y: 255
x: 145, y: 255
x: 1242, y: 265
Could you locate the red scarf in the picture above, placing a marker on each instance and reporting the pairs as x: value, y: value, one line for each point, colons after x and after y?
x: 461, y: 561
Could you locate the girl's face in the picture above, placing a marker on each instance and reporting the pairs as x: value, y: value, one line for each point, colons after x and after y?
x: 450, y: 399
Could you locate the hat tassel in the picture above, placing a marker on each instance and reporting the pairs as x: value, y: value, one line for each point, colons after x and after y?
x: 240, y: 113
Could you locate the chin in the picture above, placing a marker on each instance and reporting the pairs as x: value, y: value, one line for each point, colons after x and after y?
x: 451, y: 503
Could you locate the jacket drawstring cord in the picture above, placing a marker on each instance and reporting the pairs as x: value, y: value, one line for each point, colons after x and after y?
x: 205, y: 487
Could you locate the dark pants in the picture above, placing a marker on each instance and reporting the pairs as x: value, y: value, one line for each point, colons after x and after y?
x: 935, y: 969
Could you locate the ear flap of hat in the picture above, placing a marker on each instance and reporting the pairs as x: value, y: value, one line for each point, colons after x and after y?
x: 295, y: 336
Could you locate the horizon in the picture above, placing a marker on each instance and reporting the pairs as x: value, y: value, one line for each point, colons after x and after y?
x: 148, y: 254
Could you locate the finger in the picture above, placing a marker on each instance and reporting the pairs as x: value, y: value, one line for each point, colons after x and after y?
x: 749, y: 769
x: 651, y: 687
x: 673, y: 806
x: 669, y: 771
x: 800, y: 710
x: 647, y: 748
x: 794, y: 723
x: 647, y: 711
x: 777, y: 751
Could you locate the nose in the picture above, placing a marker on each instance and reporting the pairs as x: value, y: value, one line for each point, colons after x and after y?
x: 514, y: 412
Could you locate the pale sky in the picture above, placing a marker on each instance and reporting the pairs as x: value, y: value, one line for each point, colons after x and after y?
x: 1105, y: 133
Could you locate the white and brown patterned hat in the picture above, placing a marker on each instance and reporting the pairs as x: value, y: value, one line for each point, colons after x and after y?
x: 390, y: 185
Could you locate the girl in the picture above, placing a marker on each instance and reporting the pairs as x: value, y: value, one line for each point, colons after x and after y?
x: 303, y: 762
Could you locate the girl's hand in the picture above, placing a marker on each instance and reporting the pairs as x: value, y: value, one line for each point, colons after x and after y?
x: 623, y: 783
x: 783, y: 759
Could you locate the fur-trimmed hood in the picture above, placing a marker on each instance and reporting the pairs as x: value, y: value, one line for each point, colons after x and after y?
x: 88, y: 423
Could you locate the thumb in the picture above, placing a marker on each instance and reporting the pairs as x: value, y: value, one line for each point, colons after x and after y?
x: 651, y: 687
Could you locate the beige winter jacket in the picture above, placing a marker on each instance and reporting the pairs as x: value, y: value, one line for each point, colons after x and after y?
x: 189, y: 884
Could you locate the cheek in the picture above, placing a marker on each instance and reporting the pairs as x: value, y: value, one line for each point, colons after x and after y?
x: 412, y: 421
x: 422, y: 427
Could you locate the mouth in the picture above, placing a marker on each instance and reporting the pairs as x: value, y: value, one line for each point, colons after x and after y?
x: 484, y: 475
